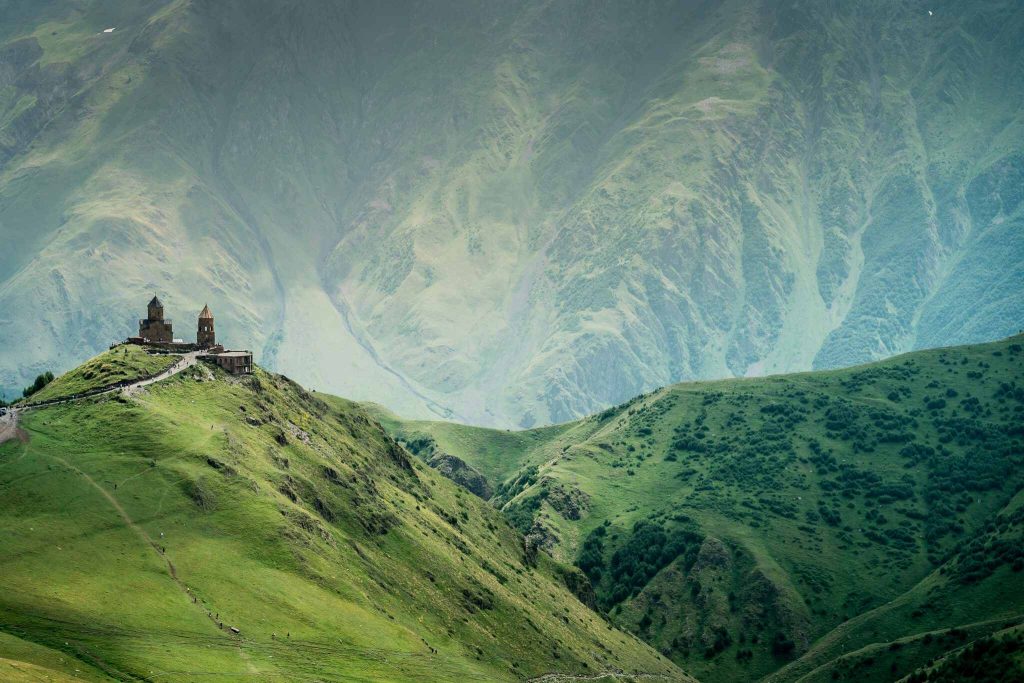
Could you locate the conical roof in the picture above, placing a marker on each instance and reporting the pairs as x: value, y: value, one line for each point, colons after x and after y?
x: 206, y: 314
x: 156, y: 302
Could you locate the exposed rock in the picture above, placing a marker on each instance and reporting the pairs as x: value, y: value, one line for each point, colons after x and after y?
x: 476, y: 598
x: 398, y: 455
x: 287, y: 488
x: 579, y: 585
x: 568, y: 501
x: 713, y: 554
x: 223, y: 468
x: 539, y: 537
x: 299, y: 519
x: 200, y: 493
x: 331, y: 475
x: 764, y: 602
x: 462, y: 473
x: 545, y: 536
x: 324, y: 509
x: 711, y: 581
x: 299, y: 433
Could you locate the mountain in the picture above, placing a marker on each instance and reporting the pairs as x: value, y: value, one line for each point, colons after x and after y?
x: 863, y: 524
x: 511, y: 213
x: 210, y: 526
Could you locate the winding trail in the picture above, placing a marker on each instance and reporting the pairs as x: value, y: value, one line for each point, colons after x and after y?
x: 9, y: 430
x: 410, y: 662
x: 9, y: 422
x: 186, y: 361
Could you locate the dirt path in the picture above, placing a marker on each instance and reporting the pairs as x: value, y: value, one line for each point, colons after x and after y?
x: 186, y: 361
x: 9, y: 422
x: 9, y: 429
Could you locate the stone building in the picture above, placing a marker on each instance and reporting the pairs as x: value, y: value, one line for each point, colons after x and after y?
x: 156, y: 333
x: 205, y: 336
x: 155, y: 328
x: 235, y: 362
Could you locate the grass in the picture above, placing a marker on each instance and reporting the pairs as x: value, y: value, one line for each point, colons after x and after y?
x: 126, y: 362
x: 498, y: 452
x: 779, y: 524
x: 24, y: 662
x: 218, y: 502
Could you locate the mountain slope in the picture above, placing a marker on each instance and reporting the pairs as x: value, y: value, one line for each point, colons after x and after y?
x: 790, y: 527
x: 144, y: 529
x: 512, y: 213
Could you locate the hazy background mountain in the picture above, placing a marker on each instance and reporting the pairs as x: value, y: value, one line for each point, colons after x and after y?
x: 511, y: 213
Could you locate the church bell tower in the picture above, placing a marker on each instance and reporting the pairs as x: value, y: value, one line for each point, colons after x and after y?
x: 204, y: 335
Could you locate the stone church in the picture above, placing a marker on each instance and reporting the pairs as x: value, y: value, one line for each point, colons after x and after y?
x: 155, y: 329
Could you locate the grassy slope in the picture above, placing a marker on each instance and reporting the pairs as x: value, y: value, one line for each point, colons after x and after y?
x: 123, y: 363
x: 821, y: 509
x: 217, y: 503
x: 997, y: 658
x: 23, y: 661
x: 944, y: 612
x: 499, y: 453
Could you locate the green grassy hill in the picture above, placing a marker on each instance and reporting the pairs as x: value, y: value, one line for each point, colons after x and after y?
x: 140, y: 532
x: 819, y: 526
x: 125, y: 363
x: 511, y: 213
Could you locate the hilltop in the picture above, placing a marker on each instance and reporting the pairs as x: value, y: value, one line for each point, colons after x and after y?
x: 854, y: 524
x: 214, y: 525
x: 513, y: 213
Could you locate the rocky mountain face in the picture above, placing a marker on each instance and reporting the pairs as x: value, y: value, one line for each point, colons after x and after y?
x: 511, y: 213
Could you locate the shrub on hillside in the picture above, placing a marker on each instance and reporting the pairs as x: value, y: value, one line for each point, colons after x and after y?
x: 41, y: 381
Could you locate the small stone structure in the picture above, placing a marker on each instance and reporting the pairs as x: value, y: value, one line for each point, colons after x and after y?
x: 235, y: 362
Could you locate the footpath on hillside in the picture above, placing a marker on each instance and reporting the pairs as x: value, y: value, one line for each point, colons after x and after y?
x: 186, y: 361
x: 9, y: 423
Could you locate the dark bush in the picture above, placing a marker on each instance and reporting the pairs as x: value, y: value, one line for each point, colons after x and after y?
x: 41, y: 381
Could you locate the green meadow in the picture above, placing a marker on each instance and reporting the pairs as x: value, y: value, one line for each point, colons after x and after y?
x: 211, y: 527
x: 818, y: 526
